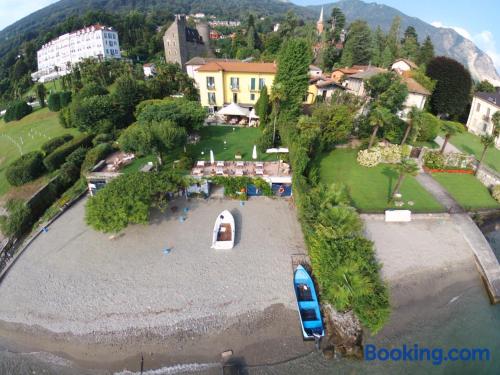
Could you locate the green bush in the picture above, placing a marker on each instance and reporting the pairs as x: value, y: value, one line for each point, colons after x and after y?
x: 65, y: 118
x: 95, y: 155
x: 27, y: 168
x: 434, y: 160
x: 102, y: 138
x: 236, y: 187
x: 58, y: 156
x: 70, y: 170
x: 17, y: 111
x: 18, y: 220
x: 429, y: 129
x: 54, y: 143
x: 65, y: 98
x: 54, y: 102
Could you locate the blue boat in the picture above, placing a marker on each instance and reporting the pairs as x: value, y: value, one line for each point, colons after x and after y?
x: 307, y: 301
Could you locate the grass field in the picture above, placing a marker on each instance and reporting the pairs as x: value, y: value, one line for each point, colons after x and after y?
x: 370, y: 188
x: 26, y: 135
x: 467, y: 190
x: 471, y: 144
x: 238, y: 140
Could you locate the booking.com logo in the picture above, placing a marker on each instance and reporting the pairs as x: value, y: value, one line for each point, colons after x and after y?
x: 436, y: 356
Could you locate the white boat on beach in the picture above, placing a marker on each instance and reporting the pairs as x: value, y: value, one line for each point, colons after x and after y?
x: 224, y: 229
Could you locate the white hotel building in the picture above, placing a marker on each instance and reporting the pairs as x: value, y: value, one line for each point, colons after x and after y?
x: 56, y: 56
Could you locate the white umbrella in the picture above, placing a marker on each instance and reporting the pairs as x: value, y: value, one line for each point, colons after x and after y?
x: 212, y: 158
x: 254, y: 152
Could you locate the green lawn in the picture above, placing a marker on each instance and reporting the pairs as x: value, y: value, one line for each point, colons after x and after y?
x: 15, y: 137
x: 471, y: 144
x: 238, y: 140
x: 467, y: 190
x: 370, y: 188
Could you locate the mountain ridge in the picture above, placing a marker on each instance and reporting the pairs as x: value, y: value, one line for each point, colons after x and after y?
x: 446, y: 41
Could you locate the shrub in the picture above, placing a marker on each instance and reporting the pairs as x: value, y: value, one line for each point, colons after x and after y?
x: 495, y: 192
x: 102, y: 138
x: 58, y: 156
x: 17, y: 111
x: 65, y: 118
x: 54, y: 143
x: 27, y: 168
x: 18, y: 219
x: 70, y: 170
x: 369, y: 157
x: 95, y: 155
x: 429, y: 129
x: 391, y: 154
x: 54, y: 102
x: 65, y: 98
x: 434, y: 160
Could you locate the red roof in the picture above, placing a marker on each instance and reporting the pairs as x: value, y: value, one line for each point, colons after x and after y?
x: 240, y: 67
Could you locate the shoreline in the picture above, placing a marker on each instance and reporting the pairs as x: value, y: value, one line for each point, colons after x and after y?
x: 265, y: 338
x: 259, y: 339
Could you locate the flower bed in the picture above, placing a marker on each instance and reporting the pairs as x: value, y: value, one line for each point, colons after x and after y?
x: 440, y: 170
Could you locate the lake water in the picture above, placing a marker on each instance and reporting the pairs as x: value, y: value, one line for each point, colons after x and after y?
x: 461, y: 317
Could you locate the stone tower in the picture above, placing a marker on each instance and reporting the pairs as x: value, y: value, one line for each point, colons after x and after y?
x: 182, y: 43
x: 320, y: 25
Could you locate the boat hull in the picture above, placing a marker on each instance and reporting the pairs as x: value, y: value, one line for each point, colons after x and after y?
x: 224, y: 231
x: 308, y: 305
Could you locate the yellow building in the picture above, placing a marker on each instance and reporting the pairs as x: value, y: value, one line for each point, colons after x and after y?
x: 224, y: 82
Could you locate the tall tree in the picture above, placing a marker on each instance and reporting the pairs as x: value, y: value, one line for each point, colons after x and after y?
x: 484, y: 86
x: 337, y: 22
x: 415, y: 118
x: 288, y: 27
x: 41, y: 93
x: 410, y: 46
x: 262, y: 107
x: 489, y: 140
x: 293, y: 73
x: 393, y: 41
x: 450, y: 128
x: 451, y: 95
x: 379, y: 116
x: 406, y: 167
x: 426, y: 52
x: 357, y: 49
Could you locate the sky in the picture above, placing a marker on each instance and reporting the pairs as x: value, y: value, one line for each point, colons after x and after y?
x: 477, y: 20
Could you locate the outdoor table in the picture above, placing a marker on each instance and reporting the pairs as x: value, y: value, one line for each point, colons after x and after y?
x: 259, y: 164
x: 220, y: 163
x: 200, y: 163
x: 240, y: 164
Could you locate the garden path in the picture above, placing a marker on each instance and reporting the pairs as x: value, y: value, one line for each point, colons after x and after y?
x: 440, y: 193
x: 449, y: 147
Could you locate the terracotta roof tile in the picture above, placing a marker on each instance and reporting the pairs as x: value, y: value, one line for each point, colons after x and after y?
x: 239, y: 67
x: 415, y: 87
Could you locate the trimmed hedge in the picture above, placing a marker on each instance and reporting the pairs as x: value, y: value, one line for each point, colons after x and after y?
x: 65, y: 98
x: 54, y: 143
x: 58, y: 156
x: 17, y: 111
x: 54, y: 102
x: 95, y: 155
x: 27, y: 168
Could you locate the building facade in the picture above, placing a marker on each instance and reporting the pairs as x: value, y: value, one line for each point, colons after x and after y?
x: 224, y: 82
x: 58, y: 55
x: 182, y: 43
x: 484, y: 105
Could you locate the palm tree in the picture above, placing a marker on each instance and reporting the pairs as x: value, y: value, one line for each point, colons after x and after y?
x: 415, y: 119
x: 405, y: 167
x: 379, y: 116
x: 450, y: 128
x: 489, y: 140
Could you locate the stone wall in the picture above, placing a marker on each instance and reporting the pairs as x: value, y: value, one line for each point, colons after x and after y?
x: 488, y: 177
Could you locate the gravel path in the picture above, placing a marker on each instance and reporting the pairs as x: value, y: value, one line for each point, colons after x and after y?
x: 73, y: 279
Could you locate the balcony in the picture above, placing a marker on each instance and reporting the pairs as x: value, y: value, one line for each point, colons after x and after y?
x: 210, y: 87
x: 235, y: 88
